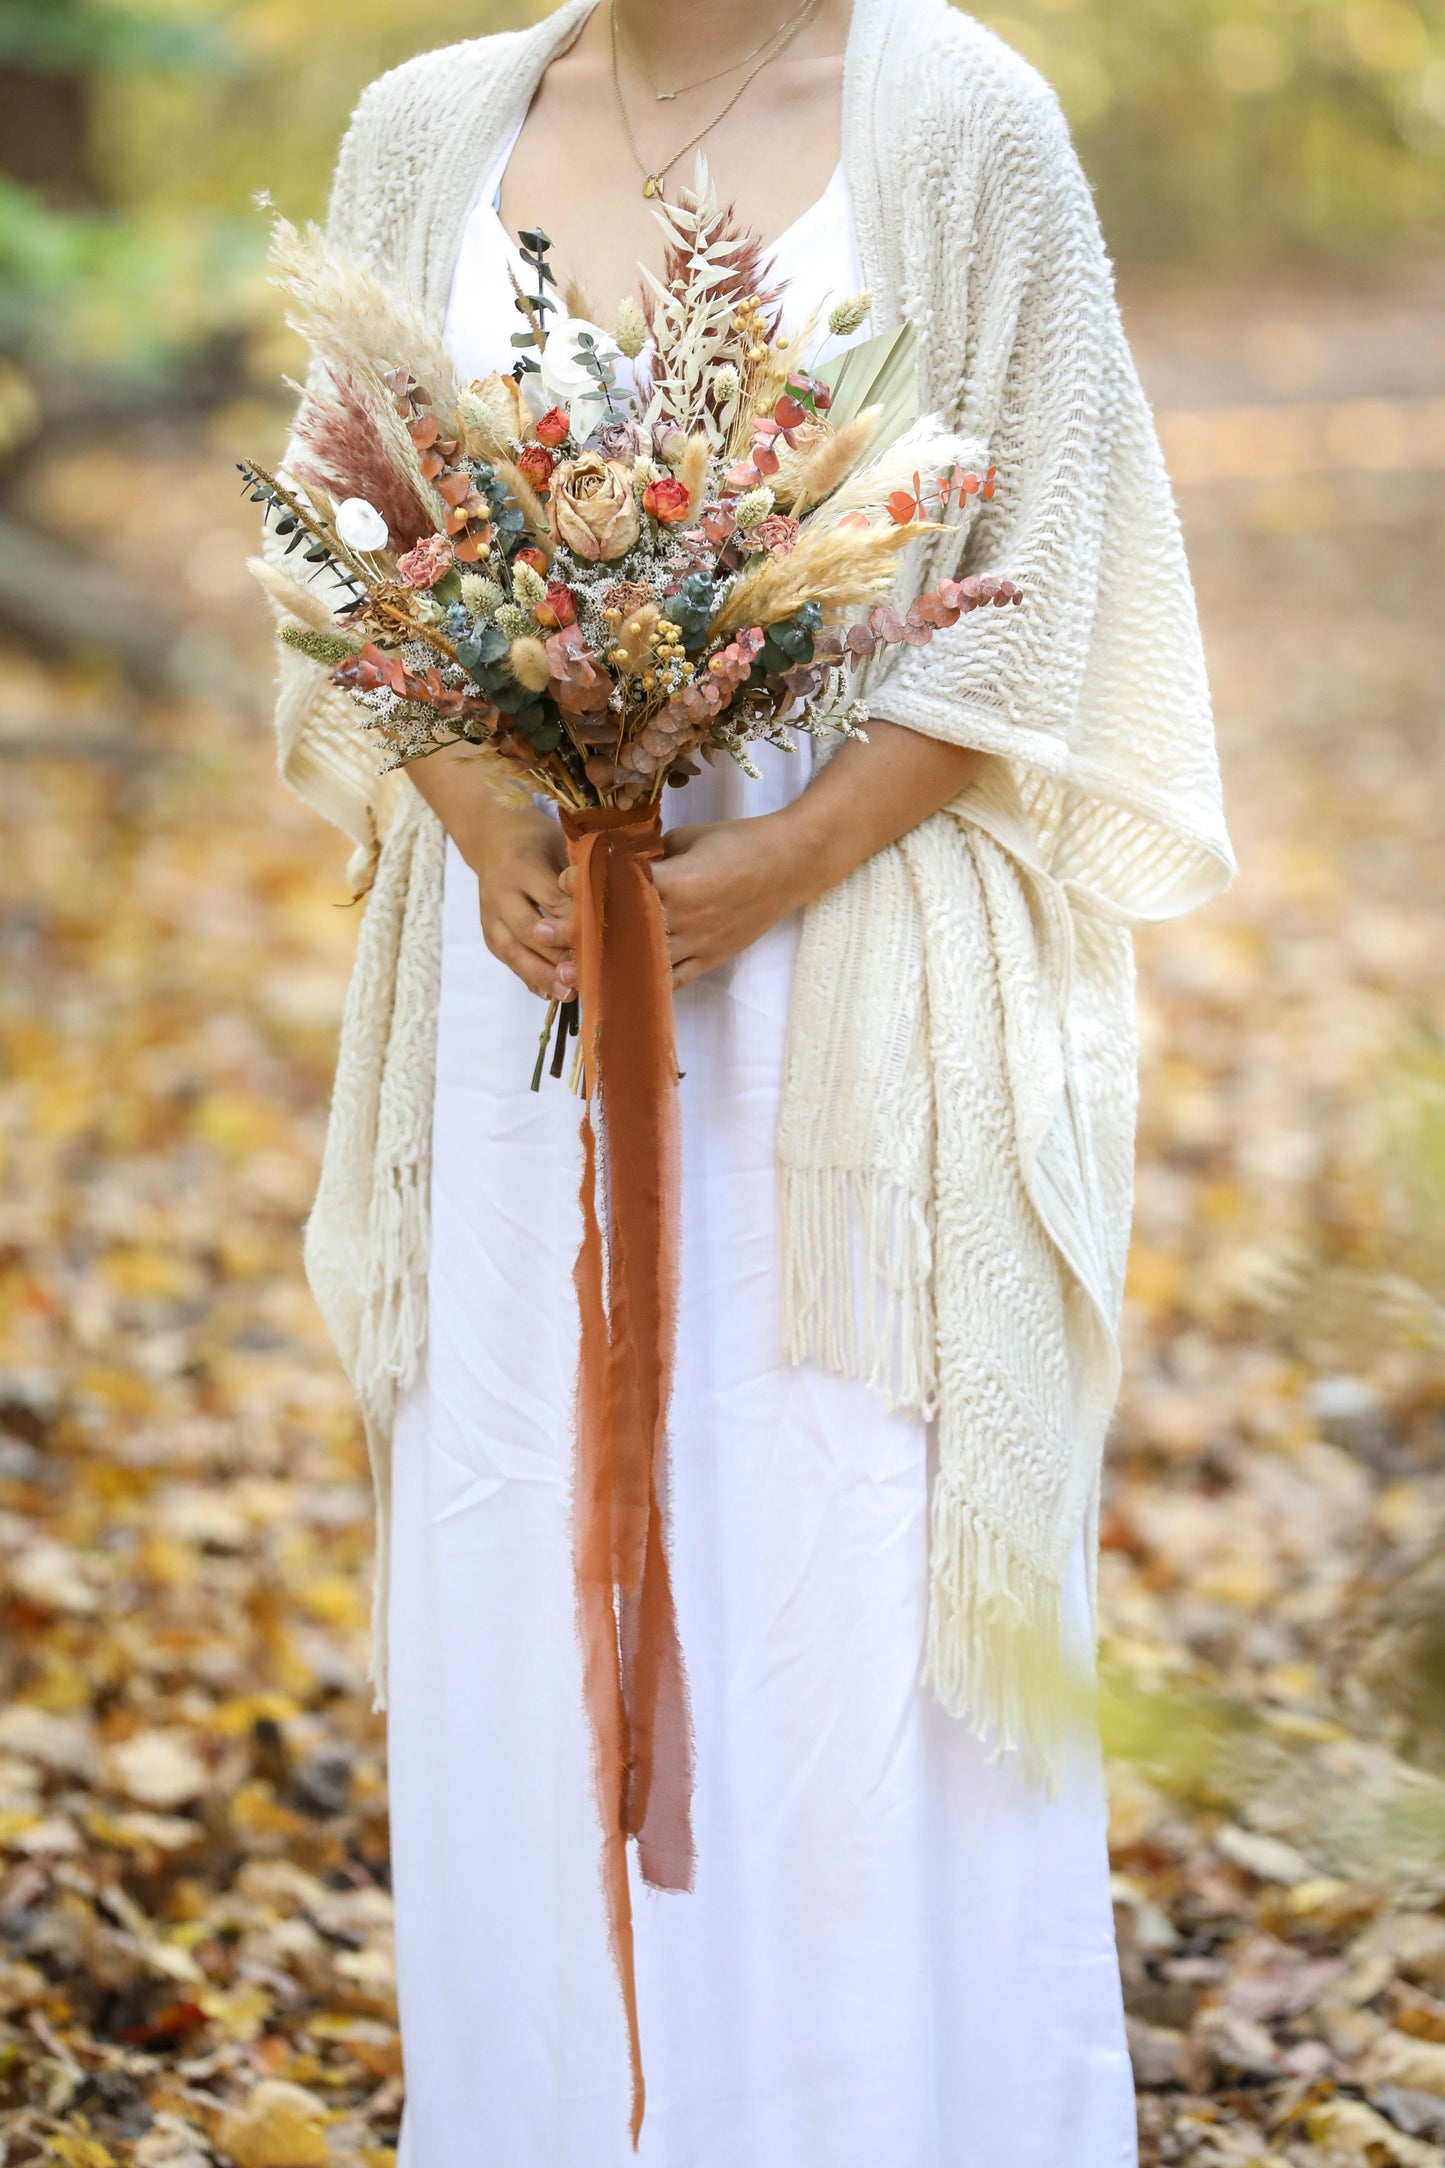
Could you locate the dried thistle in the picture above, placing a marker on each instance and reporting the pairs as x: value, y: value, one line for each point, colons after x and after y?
x: 528, y: 585
x: 482, y: 596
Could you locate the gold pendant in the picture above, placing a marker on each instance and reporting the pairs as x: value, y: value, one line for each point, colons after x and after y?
x: 664, y: 97
x: 652, y: 186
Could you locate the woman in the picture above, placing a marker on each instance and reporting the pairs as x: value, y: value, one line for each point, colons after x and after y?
x: 904, y: 1014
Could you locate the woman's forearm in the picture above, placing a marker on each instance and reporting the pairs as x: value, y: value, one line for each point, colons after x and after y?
x: 868, y: 796
x: 453, y: 781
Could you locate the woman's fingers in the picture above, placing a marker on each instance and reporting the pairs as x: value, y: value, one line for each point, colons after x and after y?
x: 513, y: 934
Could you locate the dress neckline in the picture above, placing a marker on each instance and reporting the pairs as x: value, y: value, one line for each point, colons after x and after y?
x: 490, y: 192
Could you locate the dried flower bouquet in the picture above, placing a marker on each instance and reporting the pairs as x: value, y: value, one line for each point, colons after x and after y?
x: 597, y: 586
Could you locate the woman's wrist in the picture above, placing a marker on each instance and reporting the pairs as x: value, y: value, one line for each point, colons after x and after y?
x: 811, y: 847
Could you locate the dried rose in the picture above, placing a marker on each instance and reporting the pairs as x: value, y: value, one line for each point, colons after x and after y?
x: 557, y: 608
x: 592, y: 510
x: 666, y: 501
x: 531, y: 555
x: 430, y: 561
x: 776, y: 534
x: 668, y: 442
x: 554, y: 427
x: 496, y: 401
x: 535, y: 464
x: 620, y: 438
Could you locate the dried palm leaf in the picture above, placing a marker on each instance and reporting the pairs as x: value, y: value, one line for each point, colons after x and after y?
x: 883, y: 373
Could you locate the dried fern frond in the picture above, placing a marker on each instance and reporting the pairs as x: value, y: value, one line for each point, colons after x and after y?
x: 928, y: 448
x: 841, y: 570
x: 711, y: 264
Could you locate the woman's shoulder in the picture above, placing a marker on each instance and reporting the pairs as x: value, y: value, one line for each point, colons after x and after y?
x: 953, y: 68
x: 428, y: 89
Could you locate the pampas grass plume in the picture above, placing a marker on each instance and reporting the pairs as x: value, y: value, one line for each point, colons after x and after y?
x: 692, y: 472
x: 302, y: 603
x: 834, y: 458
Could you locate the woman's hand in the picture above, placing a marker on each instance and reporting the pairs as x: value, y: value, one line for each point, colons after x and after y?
x: 518, y: 855
x: 723, y: 884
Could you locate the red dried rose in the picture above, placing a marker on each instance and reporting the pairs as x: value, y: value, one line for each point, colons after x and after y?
x: 554, y: 427
x: 535, y: 463
x: 531, y: 555
x: 557, y: 608
x: 666, y: 501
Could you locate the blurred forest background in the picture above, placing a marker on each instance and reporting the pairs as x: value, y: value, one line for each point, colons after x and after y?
x: 195, y: 1956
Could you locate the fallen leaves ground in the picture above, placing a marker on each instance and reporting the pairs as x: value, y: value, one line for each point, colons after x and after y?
x: 195, y: 1958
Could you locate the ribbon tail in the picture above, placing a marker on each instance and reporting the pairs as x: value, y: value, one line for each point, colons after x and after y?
x: 633, y: 1674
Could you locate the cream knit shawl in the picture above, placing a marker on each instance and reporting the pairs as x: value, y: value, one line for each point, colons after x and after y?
x: 956, y: 1137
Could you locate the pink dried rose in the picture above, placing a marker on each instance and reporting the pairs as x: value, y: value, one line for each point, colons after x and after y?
x: 431, y: 560
x: 776, y: 534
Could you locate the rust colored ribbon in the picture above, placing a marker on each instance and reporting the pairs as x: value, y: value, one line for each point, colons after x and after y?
x: 634, y: 1684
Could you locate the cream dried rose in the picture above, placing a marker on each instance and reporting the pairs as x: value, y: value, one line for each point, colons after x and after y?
x: 592, y: 510
x: 494, y: 407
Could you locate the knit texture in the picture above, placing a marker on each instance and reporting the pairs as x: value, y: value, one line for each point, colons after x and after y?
x: 956, y: 1137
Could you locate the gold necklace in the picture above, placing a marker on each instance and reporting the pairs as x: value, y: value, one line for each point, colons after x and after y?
x: 653, y: 177
x: 665, y: 97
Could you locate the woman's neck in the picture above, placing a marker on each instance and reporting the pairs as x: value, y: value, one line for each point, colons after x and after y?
x: 689, y: 38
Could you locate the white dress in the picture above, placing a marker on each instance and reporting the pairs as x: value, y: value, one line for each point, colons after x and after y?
x: 894, y: 1957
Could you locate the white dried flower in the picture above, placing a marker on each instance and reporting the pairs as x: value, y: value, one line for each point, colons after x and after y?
x: 528, y: 585
x: 849, y: 315
x: 631, y: 327
x: 483, y: 597
x: 753, y: 508
x: 725, y: 383
x: 360, y: 525
x: 513, y: 620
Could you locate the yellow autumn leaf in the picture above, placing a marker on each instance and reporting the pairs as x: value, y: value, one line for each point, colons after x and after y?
x: 279, y: 2126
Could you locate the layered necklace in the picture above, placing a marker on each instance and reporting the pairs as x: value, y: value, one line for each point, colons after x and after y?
x: 771, y: 46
